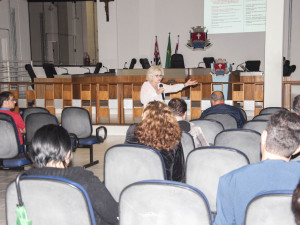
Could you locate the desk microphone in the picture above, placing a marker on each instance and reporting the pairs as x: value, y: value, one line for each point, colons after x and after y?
x: 67, y: 73
x: 106, y: 69
x: 162, y: 94
x: 125, y: 65
x: 87, y: 69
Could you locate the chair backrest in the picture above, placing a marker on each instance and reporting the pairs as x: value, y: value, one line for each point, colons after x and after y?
x: 271, y: 208
x: 163, y: 202
x: 177, y: 61
x: 247, y: 141
x: 206, y: 165
x: 35, y: 121
x: 187, y: 143
x: 9, y: 138
x: 208, y: 61
x: 31, y: 110
x: 210, y: 128
x: 30, y: 71
x: 98, y: 67
x: 77, y: 120
x: 262, y: 117
x: 252, y: 65
x: 257, y: 125
x: 271, y: 110
x: 50, y: 200
x: 244, y: 114
x: 228, y: 121
x: 126, y: 164
x: 49, y: 70
x: 145, y: 63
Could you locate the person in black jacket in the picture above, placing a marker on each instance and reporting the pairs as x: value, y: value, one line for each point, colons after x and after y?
x: 51, y: 155
x: 160, y: 130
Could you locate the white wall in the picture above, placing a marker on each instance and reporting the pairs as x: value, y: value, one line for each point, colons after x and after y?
x: 133, y: 25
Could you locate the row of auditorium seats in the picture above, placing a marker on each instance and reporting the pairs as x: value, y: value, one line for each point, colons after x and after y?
x: 75, y: 120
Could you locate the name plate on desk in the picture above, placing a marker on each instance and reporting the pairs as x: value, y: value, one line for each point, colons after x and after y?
x: 252, y: 73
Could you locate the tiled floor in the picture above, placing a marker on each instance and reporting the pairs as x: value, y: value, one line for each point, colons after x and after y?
x: 80, y: 157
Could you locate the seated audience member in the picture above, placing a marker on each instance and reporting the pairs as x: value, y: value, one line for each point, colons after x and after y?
x: 179, y: 108
x: 279, y: 142
x: 296, y: 104
x: 8, y: 103
x: 160, y: 130
x: 219, y: 107
x: 296, y: 204
x: 50, y: 153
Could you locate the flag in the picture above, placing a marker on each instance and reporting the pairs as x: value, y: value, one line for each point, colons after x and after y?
x: 177, y: 45
x: 156, y: 53
x: 169, y: 53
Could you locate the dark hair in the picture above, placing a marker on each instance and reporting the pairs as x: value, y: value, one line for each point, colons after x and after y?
x: 296, y: 204
x: 217, y: 96
x: 49, y: 143
x: 178, y: 106
x: 4, y: 96
x: 283, y: 133
x: 296, y: 104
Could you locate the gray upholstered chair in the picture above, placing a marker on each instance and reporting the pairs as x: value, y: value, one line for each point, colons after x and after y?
x: 210, y: 128
x: 262, y: 117
x: 11, y: 151
x: 163, y: 202
x: 228, y: 121
x: 271, y: 208
x: 206, y: 165
x: 187, y: 143
x: 129, y: 163
x: 257, y: 125
x: 49, y: 200
x: 271, y: 110
x: 31, y: 110
x: 247, y: 141
x: 77, y: 121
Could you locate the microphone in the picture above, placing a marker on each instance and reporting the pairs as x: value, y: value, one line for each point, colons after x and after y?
x: 162, y: 94
x: 106, y: 69
x: 87, y: 69
x: 125, y: 66
x: 242, y: 66
x: 67, y: 73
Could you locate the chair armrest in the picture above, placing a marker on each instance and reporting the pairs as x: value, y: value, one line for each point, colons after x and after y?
x: 75, y: 138
x: 101, y: 139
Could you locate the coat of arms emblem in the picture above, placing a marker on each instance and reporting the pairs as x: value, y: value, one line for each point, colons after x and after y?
x: 198, y: 38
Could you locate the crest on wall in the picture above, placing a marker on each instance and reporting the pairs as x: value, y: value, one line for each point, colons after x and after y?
x: 198, y: 38
x: 221, y: 68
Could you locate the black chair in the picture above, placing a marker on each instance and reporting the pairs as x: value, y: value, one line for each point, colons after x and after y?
x: 11, y: 151
x: 208, y: 61
x: 77, y: 122
x: 49, y: 70
x: 31, y: 73
x: 28, y: 111
x: 271, y: 110
x: 49, y: 200
x: 145, y: 63
x: 177, y: 61
x: 98, y: 67
x: 132, y: 63
x: 253, y: 65
x: 34, y: 122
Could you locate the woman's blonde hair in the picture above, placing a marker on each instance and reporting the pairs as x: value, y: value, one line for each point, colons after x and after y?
x: 152, y: 71
x: 159, y: 128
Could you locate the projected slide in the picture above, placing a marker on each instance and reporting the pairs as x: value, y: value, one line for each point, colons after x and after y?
x: 234, y: 16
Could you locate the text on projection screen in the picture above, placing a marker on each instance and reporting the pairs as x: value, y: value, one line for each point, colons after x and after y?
x: 234, y: 16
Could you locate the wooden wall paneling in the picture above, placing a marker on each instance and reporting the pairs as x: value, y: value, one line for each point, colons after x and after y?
x: 85, y: 94
x: 137, y: 106
x: 102, y: 103
x: 195, y: 100
x: 67, y: 95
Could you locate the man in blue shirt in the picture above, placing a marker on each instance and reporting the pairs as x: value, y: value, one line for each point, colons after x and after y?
x: 219, y: 107
x: 279, y: 142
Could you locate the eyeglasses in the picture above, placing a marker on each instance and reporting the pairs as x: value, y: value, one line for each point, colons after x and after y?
x: 158, y: 76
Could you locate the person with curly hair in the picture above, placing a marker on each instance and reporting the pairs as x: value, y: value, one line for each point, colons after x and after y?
x: 160, y: 130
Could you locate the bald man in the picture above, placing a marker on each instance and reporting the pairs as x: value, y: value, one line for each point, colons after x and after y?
x: 219, y: 107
